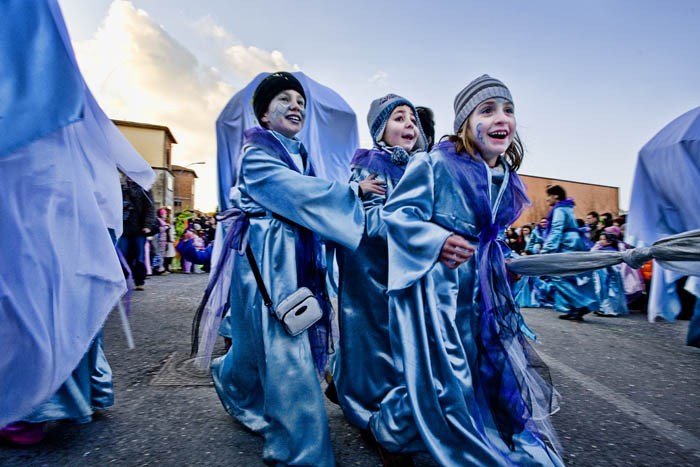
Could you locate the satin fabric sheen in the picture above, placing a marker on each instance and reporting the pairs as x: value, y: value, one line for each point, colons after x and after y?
x: 568, y: 292
x: 60, y: 194
x: 89, y: 387
x: 267, y: 380
x: 440, y: 403
x: 364, y: 367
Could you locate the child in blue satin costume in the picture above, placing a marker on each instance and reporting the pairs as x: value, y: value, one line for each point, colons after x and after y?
x: 608, y: 281
x: 364, y: 365
x: 467, y: 391
x: 573, y: 295
x: 268, y: 380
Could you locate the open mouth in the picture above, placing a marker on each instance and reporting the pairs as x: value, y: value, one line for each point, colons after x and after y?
x: 294, y: 118
x: 498, y: 134
x: 408, y: 136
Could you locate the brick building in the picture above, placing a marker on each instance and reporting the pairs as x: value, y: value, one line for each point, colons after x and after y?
x: 588, y: 197
x: 183, y: 194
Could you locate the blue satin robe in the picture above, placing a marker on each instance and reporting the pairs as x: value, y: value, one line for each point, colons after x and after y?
x: 440, y: 402
x: 610, y: 290
x: 268, y: 380
x: 364, y: 367
x: 89, y: 387
x: 569, y: 293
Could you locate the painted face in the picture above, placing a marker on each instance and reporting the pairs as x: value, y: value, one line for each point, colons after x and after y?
x: 491, y: 127
x: 401, y: 128
x: 286, y: 113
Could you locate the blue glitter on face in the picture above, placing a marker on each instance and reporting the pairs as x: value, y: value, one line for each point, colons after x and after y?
x: 479, y: 135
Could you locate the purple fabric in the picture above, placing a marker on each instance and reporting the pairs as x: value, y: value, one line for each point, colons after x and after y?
x: 310, y: 272
x: 377, y: 161
x: 568, y: 202
x: 232, y: 241
x: 500, y: 319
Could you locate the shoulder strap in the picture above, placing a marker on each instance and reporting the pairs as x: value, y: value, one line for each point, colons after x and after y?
x: 258, y: 278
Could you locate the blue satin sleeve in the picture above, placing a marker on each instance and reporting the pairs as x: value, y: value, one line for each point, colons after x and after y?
x: 373, y: 203
x: 331, y: 209
x: 188, y: 251
x: 414, y: 242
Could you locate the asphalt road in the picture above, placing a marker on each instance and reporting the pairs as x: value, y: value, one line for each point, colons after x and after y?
x: 630, y: 395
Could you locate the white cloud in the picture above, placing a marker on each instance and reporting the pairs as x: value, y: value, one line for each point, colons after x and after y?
x: 247, y: 62
x: 139, y: 72
x: 380, y: 78
x: 208, y: 27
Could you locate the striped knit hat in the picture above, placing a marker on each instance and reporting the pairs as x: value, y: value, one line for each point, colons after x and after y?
x: 476, y: 92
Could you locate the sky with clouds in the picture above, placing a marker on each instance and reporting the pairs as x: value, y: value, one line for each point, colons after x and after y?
x: 592, y: 81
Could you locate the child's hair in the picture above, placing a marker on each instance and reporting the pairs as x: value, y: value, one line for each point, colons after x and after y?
x: 514, y: 154
x: 557, y: 191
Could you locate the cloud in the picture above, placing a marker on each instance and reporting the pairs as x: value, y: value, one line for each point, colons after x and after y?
x: 139, y: 72
x: 380, y: 78
x: 208, y: 27
x: 247, y: 62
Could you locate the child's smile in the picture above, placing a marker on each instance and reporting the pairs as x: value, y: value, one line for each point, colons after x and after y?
x: 401, y: 128
x: 285, y: 114
x: 492, y: 127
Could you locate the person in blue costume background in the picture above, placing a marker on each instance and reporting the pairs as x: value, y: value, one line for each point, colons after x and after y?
x: 364, y: 364
x: 467, y: 387
x: 268, y: 380
x: 608, y: 281
x: 573, y: 295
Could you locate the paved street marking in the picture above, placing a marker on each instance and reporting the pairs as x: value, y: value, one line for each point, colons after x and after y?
x: 642, y: 415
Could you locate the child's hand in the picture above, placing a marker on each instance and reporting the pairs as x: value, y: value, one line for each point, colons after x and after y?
x: 370, y: 185
x: 455, y: 251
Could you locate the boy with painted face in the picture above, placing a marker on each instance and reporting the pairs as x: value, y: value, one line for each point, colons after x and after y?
x: 364, y: 366
x: 466, y: 391
x: 268, y: 380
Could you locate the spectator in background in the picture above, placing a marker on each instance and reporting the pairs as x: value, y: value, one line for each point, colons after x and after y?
x: 536, y: 240
x: 166, y: 240
x: 139, y: 222
x: 514, y: 241
x: 525, y: 233
x: 591, y: 229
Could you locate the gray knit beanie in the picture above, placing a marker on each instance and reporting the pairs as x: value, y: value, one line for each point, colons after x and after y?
x: 476, y: 92
x: 379, y: 111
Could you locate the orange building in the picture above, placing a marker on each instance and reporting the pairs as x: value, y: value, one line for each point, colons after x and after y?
x: 588, y: 197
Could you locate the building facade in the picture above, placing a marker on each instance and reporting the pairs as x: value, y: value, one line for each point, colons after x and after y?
x: 154, y: 144
x: 587, y: 196
x: 183, y: 195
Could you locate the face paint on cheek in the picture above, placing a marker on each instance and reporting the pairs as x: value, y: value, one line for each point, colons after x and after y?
x: 279, y: 111
x: 479, y: 134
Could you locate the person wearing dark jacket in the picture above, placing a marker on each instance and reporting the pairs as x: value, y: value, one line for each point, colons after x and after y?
x: 139, y: 221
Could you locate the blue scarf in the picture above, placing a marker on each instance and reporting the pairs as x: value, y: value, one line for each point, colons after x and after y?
x: 500, y: 319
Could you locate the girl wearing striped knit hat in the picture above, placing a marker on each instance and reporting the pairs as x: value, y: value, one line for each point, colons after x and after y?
x: 466, y: 389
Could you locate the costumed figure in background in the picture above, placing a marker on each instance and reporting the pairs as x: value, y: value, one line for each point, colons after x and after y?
x: 468, y: 390
x: 608, y: 281
x: 59, y: 155
x: 573, y: 295
x: 269, y: 379
x: 664, y: 201
x: 524, y: 290
x: 363, y: 365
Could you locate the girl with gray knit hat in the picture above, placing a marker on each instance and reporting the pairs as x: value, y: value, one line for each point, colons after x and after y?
x: 466, y: 391
x: 363, y: 364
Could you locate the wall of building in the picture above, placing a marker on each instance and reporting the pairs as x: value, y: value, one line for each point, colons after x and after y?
x: 588, y: 197
x: 184, y: 189
x: 162, y: 188
x: 148, y: 142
